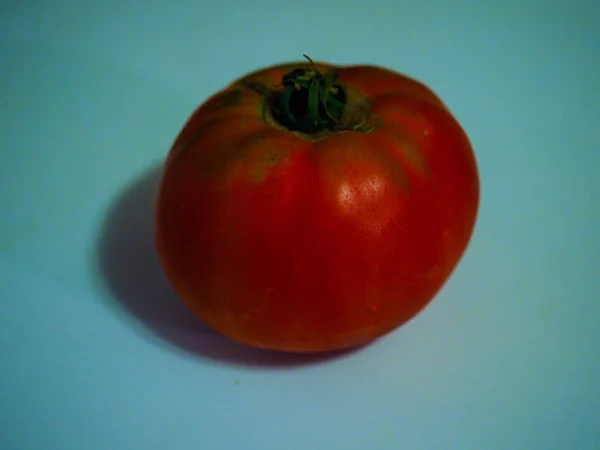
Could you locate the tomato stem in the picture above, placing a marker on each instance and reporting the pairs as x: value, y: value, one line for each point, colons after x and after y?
x: 315, y: 104
x: 311, y: 102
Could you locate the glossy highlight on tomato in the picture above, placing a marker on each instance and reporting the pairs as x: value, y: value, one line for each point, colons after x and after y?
x: 308, y: 207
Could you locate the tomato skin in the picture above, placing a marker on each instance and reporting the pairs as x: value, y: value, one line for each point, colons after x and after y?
x: 302, y: 245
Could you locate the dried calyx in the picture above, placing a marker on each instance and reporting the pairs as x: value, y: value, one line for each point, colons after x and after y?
x: 314, y: 104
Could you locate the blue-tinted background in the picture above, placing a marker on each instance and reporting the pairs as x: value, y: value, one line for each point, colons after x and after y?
x: 96, y: 351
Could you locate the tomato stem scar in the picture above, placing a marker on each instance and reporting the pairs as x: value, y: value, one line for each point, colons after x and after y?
x: 315, y: 104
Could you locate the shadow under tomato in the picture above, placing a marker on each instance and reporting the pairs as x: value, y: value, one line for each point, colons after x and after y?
x: 130, y: 269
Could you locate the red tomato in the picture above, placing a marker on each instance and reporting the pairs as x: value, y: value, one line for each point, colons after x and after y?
x: 311, y: 208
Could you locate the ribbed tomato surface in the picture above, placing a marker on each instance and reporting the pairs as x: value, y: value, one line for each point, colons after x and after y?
x: 288, y: 234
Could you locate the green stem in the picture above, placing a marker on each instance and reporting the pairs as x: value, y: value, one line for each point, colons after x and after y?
x: 310, y: 102
x: 315, y: 105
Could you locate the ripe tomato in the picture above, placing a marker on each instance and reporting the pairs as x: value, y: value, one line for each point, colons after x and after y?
x: 308, y: 207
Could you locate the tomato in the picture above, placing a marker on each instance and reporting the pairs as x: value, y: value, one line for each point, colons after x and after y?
x: 308, y: 207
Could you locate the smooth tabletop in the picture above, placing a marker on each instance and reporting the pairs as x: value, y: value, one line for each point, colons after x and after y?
x: 98, y: 353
